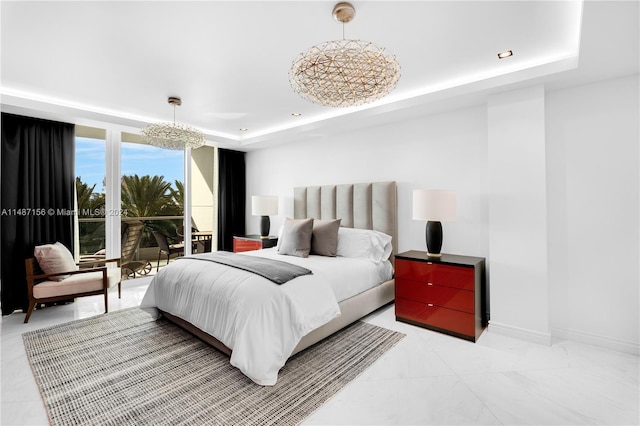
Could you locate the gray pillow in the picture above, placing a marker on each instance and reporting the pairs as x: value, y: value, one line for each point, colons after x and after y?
x: 324, y: 240
x: 296, y: 237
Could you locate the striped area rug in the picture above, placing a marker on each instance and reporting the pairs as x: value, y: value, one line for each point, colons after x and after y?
x: 123, y: 368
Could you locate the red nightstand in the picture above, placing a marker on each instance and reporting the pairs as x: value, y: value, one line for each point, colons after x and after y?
x: 445, y: 294
x: 252, y: 242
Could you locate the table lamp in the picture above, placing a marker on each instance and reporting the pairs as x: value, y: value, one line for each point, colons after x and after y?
x: 434, y: 206
x: 264, y: 205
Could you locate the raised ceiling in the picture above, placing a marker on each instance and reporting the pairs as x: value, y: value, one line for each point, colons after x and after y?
x: 118, y: 62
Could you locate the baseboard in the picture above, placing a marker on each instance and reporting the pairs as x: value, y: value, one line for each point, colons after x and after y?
x: 607, y: 342
x: 520, y: 333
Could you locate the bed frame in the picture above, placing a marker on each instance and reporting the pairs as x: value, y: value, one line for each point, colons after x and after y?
x: 361, y: 205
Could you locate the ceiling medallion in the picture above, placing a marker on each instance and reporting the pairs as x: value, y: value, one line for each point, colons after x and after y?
x: 173, y: 135
x: 344, y: 73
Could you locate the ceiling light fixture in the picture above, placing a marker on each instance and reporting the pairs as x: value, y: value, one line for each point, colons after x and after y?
x: 296, y: 114
x: 172, y: 135
x: 505, y: 54
x: 343, y: 73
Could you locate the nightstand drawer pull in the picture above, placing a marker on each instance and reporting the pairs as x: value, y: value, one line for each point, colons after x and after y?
x: 429, y: 283
x: 429, y: 304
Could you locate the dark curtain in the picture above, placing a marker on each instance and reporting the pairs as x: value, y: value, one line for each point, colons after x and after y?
x: 37, y: 197
x: 231, y: 197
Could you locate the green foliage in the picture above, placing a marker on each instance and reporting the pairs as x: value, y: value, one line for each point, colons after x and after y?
x: 148, y: 196
x: 90, y: 205
x: 141, y: 196
x: 89, y: 202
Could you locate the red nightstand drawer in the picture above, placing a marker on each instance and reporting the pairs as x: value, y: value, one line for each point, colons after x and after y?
x: 450, y: 276
x: 240, y: 245
x: 461, y: 300
x: 436, y: 316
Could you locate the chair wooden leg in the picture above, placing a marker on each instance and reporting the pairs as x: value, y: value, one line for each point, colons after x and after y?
x: 32, y: 306
x: 120, y: 289
x: 158, y: 265
x: 106, y: 301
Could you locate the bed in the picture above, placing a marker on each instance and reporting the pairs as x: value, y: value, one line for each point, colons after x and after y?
x: 260, y: 325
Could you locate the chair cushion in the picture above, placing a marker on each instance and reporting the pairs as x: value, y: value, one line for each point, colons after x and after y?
x: 73, y: 284
x: 54, y: 258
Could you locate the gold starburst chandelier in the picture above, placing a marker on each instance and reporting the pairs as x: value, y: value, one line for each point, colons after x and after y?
x: 343, y: 73
x: 173, y: 135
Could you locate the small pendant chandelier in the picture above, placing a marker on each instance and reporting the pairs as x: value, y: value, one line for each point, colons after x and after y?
x: 343, y: 73
x: 173, y: 135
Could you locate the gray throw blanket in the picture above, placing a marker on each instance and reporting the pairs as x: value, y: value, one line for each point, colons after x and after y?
x: 274, y: 270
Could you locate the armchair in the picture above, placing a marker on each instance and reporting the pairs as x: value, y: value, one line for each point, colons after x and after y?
x: 65, y: 285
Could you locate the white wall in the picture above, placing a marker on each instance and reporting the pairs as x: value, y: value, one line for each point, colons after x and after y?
x: 591, y: 143
x: 446, y: 151
x: 593, y: 140
x: 518, y: 214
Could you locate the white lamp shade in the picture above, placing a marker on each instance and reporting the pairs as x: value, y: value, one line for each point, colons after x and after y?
x: 434, y: 205
x: 264, y: 205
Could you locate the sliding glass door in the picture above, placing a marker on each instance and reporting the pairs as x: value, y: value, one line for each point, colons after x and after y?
x: 90, y: 191
x: 152, y: 199
x: 126, y: 190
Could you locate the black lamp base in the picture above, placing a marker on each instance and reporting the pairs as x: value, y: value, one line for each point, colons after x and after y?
x: 265, y: 225
x: 434, y: 239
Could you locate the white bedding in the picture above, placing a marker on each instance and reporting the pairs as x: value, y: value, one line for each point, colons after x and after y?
x: 260, y: 321
x: 346, y: 276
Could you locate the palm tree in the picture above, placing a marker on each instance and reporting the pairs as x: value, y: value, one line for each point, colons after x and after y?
x: 148, y: 196
x: 88, y: 201
x: 177, y: 195
x: 90, y: 204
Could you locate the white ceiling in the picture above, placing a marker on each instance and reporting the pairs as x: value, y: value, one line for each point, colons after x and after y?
x: 119, y: 61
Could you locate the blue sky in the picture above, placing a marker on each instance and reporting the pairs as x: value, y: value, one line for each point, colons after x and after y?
x: 136, y: 159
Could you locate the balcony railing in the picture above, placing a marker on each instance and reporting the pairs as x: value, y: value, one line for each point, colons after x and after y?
x: 92, y: 238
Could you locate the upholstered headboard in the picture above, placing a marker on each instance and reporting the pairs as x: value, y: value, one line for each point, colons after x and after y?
x: 360, y: 205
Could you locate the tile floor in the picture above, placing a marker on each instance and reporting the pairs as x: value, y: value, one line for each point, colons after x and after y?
x: 428, y: 378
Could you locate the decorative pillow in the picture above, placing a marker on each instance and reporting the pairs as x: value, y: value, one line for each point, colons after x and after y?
x: 296, y: 237
x: 54, y: 258
x: 364, y: 243
x: 324, y: 240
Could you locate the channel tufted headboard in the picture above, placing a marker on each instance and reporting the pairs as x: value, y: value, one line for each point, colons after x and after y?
x: 359, y: 205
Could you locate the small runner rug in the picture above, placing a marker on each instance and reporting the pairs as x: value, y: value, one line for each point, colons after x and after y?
x: 125, y: 368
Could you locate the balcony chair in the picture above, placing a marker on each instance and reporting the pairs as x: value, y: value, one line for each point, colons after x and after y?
x: 164, y: 248
x: 180, y: 239
x: 52, y: 276
x: 131, y: 235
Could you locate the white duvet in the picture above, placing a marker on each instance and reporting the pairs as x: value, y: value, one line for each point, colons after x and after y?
x: 260, y: 321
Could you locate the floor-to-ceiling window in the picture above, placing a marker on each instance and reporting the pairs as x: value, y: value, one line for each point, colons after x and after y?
x: 152, y: 194
x: 90, y: 190
x: 121, y: 181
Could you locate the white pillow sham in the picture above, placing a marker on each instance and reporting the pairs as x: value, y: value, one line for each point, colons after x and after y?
x: 364, y: 243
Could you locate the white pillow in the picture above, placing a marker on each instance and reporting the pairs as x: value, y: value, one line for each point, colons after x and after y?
x: 54, y: 258
x: 364, y: 243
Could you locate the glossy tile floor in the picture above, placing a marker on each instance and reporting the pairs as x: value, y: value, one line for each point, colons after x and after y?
x: 428, y: 378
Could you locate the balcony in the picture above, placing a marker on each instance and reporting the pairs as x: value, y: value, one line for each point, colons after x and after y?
x: 144, y: 258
